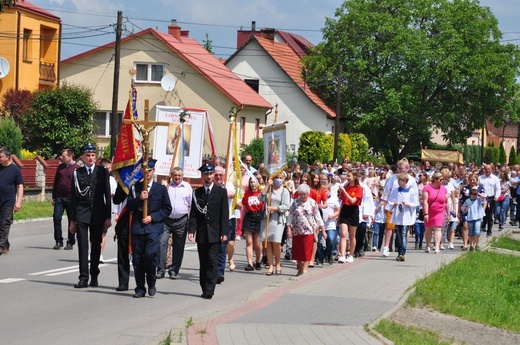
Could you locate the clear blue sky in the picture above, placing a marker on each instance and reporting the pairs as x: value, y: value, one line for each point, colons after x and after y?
x: 88, y: 23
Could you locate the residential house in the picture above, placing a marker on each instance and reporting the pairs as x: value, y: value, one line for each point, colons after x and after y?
x: 202, y: 82
x: 269, y: 61
x: 30, y: 43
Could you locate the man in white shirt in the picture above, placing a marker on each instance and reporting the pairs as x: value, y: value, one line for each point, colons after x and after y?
x: 491, y: 185
x: 180, y: 194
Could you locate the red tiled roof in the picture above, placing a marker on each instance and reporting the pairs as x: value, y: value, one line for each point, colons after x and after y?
x: 509, y: 131
x: 203, y: 62
x: 27, y: 6
x: 290, y: 63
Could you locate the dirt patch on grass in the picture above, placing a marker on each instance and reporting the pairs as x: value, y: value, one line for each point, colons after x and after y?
x: 453, y: 328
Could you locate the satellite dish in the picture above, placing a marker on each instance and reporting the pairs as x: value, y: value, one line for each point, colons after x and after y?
x: 168, y: 83
x: 4, y: 67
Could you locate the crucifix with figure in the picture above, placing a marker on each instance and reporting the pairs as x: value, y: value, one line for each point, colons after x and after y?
x: 146, y: 126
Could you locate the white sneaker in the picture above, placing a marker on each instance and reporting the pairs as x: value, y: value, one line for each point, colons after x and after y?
x: 450, y: 246
x: 350, y: 259
x: 374, y: 249
x: 386, y: 252
x: 342, y: 259
x: 101, y: 260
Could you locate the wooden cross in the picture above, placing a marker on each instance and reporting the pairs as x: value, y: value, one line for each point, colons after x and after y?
x: 144, y: 126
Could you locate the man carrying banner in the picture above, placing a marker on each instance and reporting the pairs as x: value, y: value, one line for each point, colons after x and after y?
x: 146, y: 230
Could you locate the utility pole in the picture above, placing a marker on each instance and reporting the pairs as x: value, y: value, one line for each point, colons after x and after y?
x: 338, y: 111
x: 114, y: 120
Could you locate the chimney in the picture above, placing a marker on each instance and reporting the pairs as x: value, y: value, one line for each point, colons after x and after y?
x: 174, y: 29
x: 268, y: 33
x: 253, y: 27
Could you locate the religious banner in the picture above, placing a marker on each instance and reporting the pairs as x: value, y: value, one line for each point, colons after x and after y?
x: 126, y: 165
x: 444, y: 156
x: 178, y: 145
x: 274, y: 147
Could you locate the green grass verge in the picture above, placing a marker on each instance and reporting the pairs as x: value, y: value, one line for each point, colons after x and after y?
x: 404, y: 335
x: 34, y: 209
x: 506, y: 243
x: 483, y: 287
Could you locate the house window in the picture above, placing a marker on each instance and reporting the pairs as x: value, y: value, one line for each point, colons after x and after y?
x: 103, y: 123
x: 148, y: 72
x: 27, y: 45
x: 253, y: 83
x: 257, y: 128
x: 243, y: 130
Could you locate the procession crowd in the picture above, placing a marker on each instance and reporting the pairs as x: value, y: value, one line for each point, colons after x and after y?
x: 316, y: 214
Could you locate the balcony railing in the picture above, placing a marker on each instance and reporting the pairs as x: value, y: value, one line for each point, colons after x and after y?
x: 47, y: 73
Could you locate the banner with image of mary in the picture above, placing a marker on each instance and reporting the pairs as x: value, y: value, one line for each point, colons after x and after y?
x: 274, y: 147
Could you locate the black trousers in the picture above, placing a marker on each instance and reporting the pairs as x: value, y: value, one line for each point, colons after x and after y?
x: 96, y: 234
x: 360, y: 237
x: 488, y: 218
x: 123, y: 260
x: 208, y: 261
x: 179, y: 231
x: 144, y: 259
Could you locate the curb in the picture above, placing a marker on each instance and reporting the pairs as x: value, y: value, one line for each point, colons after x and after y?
x: 31, y: 220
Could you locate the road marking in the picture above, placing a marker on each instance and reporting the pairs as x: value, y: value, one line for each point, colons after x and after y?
x: 11, y: 280
x: 66, y: 270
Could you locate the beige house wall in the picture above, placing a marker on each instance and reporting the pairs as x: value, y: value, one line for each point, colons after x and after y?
x: 193, y: 90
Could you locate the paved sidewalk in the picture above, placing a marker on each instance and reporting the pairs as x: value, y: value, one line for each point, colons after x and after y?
x: 330, y: 305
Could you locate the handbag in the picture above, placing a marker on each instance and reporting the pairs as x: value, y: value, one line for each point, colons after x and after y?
x: 501, y: 198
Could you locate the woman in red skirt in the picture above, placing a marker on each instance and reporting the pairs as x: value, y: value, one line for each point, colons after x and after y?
x: 304, y: 218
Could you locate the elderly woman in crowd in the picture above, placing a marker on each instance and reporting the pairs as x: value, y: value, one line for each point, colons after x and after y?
x: 302, y: 225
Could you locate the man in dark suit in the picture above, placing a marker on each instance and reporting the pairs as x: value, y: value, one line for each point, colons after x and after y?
x: 209, y: 218
x: 91, y: 209
x: 146, y: 231
x: 122, y: 229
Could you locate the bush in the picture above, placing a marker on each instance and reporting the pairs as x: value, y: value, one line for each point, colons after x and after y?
x: 10, y: 135
x: 255, y: 149
x: 315, y: 146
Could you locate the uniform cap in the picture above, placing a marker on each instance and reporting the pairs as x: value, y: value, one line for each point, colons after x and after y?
x: 89, y: 148
x: 207, y: 168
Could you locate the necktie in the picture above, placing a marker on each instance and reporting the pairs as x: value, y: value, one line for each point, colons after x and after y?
x: 207, y: 191
x: 89, y: 171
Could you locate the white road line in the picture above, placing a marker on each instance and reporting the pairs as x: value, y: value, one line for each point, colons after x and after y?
x: 65, y: 270
x: 10, y: 280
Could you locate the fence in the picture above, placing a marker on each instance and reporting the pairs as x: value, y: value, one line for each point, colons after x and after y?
x: 38, y: 176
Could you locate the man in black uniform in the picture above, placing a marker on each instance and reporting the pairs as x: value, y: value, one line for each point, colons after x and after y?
x: 146, y: 231
x: 91, y: 209
x: 209, y: 218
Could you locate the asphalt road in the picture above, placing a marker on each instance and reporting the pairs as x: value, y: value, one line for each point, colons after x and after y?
x: 40, y: 305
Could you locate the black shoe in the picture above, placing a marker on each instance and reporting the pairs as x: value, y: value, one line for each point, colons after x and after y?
x: 220, y: 279
x: 58, y: 245
x: 159, y: 275
x: 122, y: 288
x: 249, y: 268
x: 94, y: 282
x: 258, y: 266
x: 139, y: 294
x: 264, y: 260
x: 83, y: 283
x: 208, y: 296
x: 152, y: 291
x: 173, y: 275
x: 68, y: 246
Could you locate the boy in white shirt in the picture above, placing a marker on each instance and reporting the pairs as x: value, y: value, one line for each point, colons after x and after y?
x: 403, y: 201
x: 474, y: 206
x: 330, y: 217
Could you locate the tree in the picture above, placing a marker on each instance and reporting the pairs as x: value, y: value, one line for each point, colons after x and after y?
x: 502, y: 158
x: 255, y: 149
x: 208, y: 44
x: 513, y: 158
x: 7, y: 3
x: 58, y: 119
x: 10, y: 135
x: 415, y: 66
x: 16, y: 102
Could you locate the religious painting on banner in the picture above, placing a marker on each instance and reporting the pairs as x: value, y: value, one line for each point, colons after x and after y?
x: 274, y: 147
x: 176, y: 145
